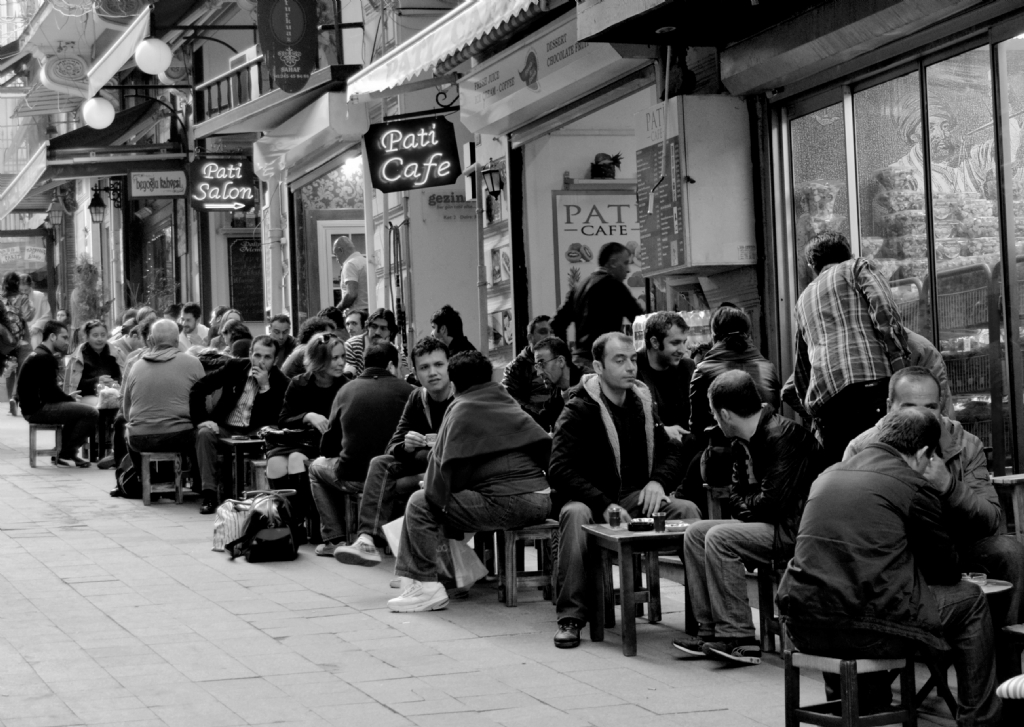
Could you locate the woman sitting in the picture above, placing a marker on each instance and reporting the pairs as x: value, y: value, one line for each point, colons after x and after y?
x: 92, y: 365
x: 217, y: 340
x: 294, y: 365
x: 307, y: 405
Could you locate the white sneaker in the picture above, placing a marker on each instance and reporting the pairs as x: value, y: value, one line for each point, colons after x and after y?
x: 420, y: 597
x: 361, y: 552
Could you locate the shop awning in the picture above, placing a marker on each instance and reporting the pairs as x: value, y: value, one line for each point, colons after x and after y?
x: 470, y: 23
x: 119, y: 53
x: 120, y: 130
x: 23, y: 182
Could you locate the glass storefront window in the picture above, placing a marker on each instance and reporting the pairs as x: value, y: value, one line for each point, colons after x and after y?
x: 818, y: 142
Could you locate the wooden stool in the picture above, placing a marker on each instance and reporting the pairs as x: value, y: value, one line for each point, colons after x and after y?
x: 511, y: 576
x: 148, y: 458
x: 33, y: 451
x: 258, y: 475
x: 767, y: 580
x: 845, y: 712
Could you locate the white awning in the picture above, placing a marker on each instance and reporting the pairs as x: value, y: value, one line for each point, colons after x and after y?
x: 461, y: 27
x: 22, y: 184
x: 120, y: 52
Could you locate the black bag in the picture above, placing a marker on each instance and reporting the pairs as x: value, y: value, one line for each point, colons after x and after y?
x: 294, y: 439
x: 268, y: 532
x: 128, y: 481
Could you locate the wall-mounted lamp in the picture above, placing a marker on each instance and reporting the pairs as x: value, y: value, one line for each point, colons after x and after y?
x: 494, y: 181
x: 55, y: 212
x: 98, y: 208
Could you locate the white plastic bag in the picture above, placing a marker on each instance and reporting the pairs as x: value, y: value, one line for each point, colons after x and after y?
x: 457, y: 560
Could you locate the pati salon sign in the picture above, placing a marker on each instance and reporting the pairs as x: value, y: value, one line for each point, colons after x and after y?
x: 154, y: 185
x: 222, y: 185
x: 412, y: 154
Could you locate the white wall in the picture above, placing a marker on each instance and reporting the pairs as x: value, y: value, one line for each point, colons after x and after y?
x: 571, y: 149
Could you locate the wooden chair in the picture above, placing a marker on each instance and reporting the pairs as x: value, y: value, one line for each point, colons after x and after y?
x: 512, y: 575
x: 33, y: 450
x: 257, y: 479
x: 149, y: 488
x: 767, y: 583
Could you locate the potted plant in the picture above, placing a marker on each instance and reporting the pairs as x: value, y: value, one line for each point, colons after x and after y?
x: 604, y: 166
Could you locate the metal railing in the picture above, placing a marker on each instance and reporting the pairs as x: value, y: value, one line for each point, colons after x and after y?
x: 232, y: 88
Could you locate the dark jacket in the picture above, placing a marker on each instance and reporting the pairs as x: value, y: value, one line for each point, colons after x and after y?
x: 37, y: 382
x: 304, y: 396
x: 586, y: 461
x: 670, y: 389
x: 523, y: 383
x: 871, y: 539
x: 284, y: 351
x: 364, y: 415
x: 735, y: 352
x: 231, y: 379
x: 553, y: 407
x: 416, y: 417
x: 596, y: 306
x: 785, y: 459
x: 459, y: 344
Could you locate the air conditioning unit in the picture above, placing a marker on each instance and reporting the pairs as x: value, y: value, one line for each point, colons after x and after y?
x: 246, y: 85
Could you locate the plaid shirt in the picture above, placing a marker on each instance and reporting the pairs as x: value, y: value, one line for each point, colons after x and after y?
x: 849, y: 331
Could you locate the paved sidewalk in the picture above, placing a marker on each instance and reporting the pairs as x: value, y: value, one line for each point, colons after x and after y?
x: 116, y: 613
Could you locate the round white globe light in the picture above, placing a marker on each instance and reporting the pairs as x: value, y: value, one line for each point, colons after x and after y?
x: 98, y: 113
x: 153, y: 56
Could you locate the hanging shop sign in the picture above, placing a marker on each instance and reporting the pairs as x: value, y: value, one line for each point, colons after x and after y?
x: 412, y: 154
x: 222, y: 185
x: 156, y: 185
x: 288, y: 38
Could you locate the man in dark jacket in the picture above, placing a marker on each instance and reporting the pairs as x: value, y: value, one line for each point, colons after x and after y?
x: 598, y: 304
x: 978, y: 525
x: 43, y: 402
x: 446, y: 325
x: 486, y: 472
x: 666, y: 369
x: 521, y: 380
x: 252, y: 391
x: 281, y: 332
x: 363, y: 419
x: 407, y: 452
x: 876, y: 574
x: 609, y: 452
x: 554, y: 363
x: 769, y: 463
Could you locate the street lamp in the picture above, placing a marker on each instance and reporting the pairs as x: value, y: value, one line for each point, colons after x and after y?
x: 493, y: 181
x: 97, y: 208
x: 55, y: 212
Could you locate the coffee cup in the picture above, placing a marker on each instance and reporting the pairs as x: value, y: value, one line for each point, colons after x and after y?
x: 431, y: 439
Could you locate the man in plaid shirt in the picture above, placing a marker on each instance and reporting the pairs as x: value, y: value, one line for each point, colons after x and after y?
x: 849, y: 340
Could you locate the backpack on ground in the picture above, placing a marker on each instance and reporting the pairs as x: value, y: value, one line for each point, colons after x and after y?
x: 128, y: 481
x: 268, y: 532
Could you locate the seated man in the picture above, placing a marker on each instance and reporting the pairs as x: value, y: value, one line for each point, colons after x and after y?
x: 446, y: 325
x: 521, y: 379
x: 155, y: 398
x: 380, y: 327
x: 553, y: 361
x: 252, y: 391
x: 486, y: 473
x: 43, y: 402
x: 193, y: 332
x: 769, y: 463
x: 363, y: 417
x: 281, y: 332
x: 876, y: 574
x: 667, y: 370
x: 977, y: 526
x: 407, y: 452
x: 609, y: 452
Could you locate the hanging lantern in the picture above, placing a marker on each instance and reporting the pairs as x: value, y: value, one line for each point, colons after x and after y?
x: 153, y: 56
x: 98, y: 112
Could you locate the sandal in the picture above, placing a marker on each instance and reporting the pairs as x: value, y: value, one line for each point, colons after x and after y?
x: 326, y: 550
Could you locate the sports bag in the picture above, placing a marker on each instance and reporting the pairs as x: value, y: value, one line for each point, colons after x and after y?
x: 268, y: 532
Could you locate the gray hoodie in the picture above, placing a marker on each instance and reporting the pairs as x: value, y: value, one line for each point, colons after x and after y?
x: 154, y: 399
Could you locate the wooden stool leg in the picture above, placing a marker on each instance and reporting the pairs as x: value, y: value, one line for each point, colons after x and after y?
x: 848, y: 694
x: 601, y: 597
x: 653, y: 588
x: 31, y: 446
x: 179, y: 495
x: 638, y: 583
x: 907, y: 693
x: 792, y: 703
x: 147, y: 485
x: 500, y: 564
x: 513, y: 546
x: 609, y: 588
x: 766, y: 607
x: 626, y: 579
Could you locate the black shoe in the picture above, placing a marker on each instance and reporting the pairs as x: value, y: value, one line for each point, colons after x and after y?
x: 116, y: 492
x: 83, y: 463
x: 106, y: 463
x: 690, y: 645
x: 209, y: 506
x: 568, y: 636
x: 735, y: 651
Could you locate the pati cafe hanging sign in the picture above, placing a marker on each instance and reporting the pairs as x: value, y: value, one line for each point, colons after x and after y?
x: 226, y: 185
x: 412, y: 154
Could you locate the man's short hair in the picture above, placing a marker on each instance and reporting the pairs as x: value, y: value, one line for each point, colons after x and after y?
x: 173, y: 310
x: 469, y: 368
x: 387, y: 316
x: 535, y: 321
x: 729, y: 320
x: 312, y: 326
x: 608, y: 251
x: 334, y: 315
x: 911, y: 372
x: 242, y: 348
x: 450, y: 319
x: 556, y: 346
x: 597, y: 350
x: 361, y: 312
x: 263, y: 340
x: 282, y: 318
x: 130, y: 313
x: 379, y: 354
x: 659, y: 324
x: 735, y: 391
x: 427, y: 345
x: 237, y: 330
x: 908, y: 430
x: 193, y: 309
x: 53, y: 327
x: 826, y: 248
x: 128, y: 328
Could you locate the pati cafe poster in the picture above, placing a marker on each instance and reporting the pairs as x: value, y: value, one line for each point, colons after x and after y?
x: 584, y: 222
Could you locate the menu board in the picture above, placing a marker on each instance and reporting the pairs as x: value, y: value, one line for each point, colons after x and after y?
x: 245, y: 277
x: 661, y: 222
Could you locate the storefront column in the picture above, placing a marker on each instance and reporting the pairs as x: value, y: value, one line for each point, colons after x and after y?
x: 275, y: 271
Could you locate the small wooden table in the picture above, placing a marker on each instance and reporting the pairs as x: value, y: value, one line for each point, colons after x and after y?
x: 625, y: 544
x: 240, y: 447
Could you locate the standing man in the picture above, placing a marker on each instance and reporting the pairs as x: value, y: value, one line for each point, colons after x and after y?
x: 446, y: 326
x: 40, y: 309
x: 521, y: 380
x: 43, y: 402
x: 193, y: 332
x: 407, y: 452
x: 609, y: 452
x: 768, y: 462
x: 281, y: 332
x: 252, y: 392
x: 554, y: 363
x: 876, y: 575
x: 598, y: 305
x: 353, y: 275
x: 667, y: 370
x: 849, y: 341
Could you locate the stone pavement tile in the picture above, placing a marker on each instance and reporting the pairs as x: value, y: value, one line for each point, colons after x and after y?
x: 44, y: 708
x: 395, y: 691
x: 540, y: 715
x: 374, y: 714
x: 470, y: 684
x: 506, y: 700
x: 320, y: 649
x: 529, y: 675
x: 212, y: 714
x: 624, y: 715
x: 319, y: 689
x: 249, y: 643
x: 423, y: 629
x: 453, y: 719
x: 479, y: 653
x: 439, y: 705
x: 124, y: 709
x: 356, y: 667
x: 169, y: 694
x: 567, y: 702
x: 278, y: 663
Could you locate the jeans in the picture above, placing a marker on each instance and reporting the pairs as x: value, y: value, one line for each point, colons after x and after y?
x: 329, y: 497
x: 856, y: 408
x: 379, y: 494
x: 967, y: 628
x: 183, y: 442
x: 79, y: 422
x: 1001, y: 557
x: 577, y: 566
x: 469, y: 511
x: 208, y: 446
x: 715, y: 553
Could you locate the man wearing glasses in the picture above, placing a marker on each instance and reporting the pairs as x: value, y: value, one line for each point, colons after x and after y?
x: 553, y: 361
